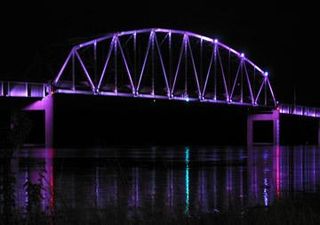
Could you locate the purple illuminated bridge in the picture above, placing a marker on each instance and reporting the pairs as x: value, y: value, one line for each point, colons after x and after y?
x: 167, y: 64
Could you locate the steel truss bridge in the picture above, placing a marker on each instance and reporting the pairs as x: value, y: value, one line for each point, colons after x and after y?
x: 160, y: 64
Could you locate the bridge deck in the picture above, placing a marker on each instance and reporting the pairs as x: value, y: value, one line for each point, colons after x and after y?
x: 40, y: 90
x: 299, y: 110
x: 23, y: 89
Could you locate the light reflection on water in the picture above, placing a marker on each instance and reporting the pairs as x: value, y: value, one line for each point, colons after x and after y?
x: 187, y: 179
x: 192, y: 180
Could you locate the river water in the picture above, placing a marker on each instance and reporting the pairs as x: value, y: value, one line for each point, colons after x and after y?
x: 192, y: 180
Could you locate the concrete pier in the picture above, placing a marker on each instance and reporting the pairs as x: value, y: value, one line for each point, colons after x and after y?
x: 272, y: 116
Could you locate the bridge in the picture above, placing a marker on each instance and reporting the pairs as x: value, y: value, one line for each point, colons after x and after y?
x: 161, y: 63
x: 157, y: 63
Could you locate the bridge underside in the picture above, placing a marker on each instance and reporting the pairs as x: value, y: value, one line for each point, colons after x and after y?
x: 114, y: 121
x: 84, y: 120
x: 297, y: 129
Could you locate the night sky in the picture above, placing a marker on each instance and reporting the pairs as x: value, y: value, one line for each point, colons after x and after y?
x: 280, y: 38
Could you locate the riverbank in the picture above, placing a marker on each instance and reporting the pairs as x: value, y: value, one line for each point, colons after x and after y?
x: 300, y: 210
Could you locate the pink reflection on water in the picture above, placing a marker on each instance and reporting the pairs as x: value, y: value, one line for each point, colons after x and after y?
x: 50, y: 178
x: 278, y: 175
x: 209, y: 185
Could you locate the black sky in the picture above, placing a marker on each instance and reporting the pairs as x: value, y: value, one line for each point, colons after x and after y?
x: 281, y: 38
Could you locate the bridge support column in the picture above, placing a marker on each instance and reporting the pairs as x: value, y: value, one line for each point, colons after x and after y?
x: 46, y: 105
x: 272, y: 116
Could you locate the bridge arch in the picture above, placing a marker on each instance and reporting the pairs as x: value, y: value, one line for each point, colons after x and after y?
x: 165, y: 64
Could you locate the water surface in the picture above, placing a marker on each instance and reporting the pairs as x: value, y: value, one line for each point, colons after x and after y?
x: 192, y: 180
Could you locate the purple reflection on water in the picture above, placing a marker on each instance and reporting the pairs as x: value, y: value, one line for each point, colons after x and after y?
x: 168, y: 179
x: 134, y: 196
x: 277, y: 170
x: 169, y: 190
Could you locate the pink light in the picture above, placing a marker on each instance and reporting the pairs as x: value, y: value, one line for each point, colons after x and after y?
x: 50, y: 178
x: 278, y: 171
x: 51, y: 190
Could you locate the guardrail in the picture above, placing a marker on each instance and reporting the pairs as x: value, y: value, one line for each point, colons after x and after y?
x: 23, y: 89
x: 299, y: 110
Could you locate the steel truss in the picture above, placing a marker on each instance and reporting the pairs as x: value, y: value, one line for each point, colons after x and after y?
x: 164, y: 64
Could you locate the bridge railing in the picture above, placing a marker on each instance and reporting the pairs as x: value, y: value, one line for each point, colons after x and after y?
x: 23, y: 89
x: 299, y: 110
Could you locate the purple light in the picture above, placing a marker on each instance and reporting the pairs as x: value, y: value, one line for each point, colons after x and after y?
x: 136, y: 70
x: 278, y: 175
x: 266, y: 74
x: 159, y: 30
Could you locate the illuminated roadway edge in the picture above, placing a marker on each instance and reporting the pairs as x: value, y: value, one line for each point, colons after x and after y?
x: 188, y: 99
